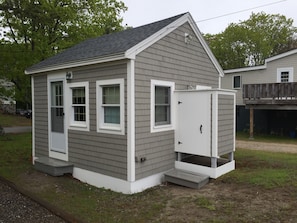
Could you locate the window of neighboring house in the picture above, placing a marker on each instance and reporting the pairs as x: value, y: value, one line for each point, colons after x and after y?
x: 161, y: 105
x: 79, y: 112
x: 110, y: 107
x: 236, y: 81
x: 285, y: 75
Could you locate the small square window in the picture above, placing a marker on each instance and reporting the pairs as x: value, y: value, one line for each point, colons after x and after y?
x: 284, y: 76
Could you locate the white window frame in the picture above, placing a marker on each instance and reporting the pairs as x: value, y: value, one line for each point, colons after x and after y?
x: 79, y: 125
x: 285, y: 69
x: 109, y: 127
x: 165, y: 127
x: 233, y: 77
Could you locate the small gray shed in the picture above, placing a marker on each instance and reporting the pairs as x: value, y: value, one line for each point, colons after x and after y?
x: 123, y: 109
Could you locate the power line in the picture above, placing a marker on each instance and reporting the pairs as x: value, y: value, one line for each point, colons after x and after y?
x: 244, y: 10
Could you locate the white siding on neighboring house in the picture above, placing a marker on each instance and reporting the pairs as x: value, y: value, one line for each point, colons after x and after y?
x: 267, y: 73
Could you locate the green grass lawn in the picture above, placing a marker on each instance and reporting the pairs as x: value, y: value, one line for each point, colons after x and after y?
x: 15, y: 156
x: 257, y: 172
x: 266, y: 169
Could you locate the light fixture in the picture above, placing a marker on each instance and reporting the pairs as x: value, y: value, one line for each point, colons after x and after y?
x: 188, y: 38
x: 69, y: 75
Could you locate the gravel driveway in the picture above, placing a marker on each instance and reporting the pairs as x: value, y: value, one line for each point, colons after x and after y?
x: 15, y: 207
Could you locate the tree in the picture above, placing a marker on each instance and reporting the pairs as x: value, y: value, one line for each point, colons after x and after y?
x: 38, y: 29
x: 250, y: 42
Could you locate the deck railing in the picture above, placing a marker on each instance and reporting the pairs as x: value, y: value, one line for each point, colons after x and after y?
x: 270, y: 91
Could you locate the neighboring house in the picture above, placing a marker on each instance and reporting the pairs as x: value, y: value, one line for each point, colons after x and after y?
x: 123, y: 108
x: 7, y: 103
x: 266, y: 95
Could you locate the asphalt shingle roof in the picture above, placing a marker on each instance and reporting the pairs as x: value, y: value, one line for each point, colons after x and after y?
x: 106, y: 45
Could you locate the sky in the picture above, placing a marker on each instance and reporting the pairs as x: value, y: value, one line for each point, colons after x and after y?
x: 211, y: 16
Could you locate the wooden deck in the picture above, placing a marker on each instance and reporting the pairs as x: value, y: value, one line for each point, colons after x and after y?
x: 270, y: 94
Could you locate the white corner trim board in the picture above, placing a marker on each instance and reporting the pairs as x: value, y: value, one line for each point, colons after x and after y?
x: 115, y: 184
x: 131, y: 120
x: 33, y: 120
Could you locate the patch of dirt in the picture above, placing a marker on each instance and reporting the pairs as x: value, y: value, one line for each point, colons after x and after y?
x: 274, y: 147
x: 225, y: 202
x: 36, y: 181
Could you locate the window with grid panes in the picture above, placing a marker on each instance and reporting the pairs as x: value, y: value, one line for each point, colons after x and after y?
x: 79, y: 104
x: 284, y: 76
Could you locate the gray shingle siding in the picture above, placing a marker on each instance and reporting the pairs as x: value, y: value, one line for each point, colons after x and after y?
x: 225, y: 124
x: 102, y: 153
x: 41, y: 116
x: 169, y: 59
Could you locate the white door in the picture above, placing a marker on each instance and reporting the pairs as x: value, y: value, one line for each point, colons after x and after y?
x: 57, y: 127
x: 193, y: 123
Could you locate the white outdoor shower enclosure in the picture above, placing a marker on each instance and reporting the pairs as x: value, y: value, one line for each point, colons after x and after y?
x: 205, y: 131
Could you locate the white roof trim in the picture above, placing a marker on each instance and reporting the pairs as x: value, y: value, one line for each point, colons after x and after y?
x: 279, y: 56
x: 77, y: 64
x: 261, y: 67
x: 245, y: 69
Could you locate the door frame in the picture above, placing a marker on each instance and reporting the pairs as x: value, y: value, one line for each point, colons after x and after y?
x: 54, y: 78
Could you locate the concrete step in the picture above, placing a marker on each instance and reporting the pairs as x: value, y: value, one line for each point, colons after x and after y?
x: 187, y: 179
x: 53, y: 167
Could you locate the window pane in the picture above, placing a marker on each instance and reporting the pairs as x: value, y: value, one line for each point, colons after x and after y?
x: 111, y: 94
x: 285, y: 76
x: 78, y: 95
x: 57, y: 93
x: 236, y: 82
x: 162, y: 105
x: 162, y: 95
x: 162, y: 115
x: 112, y: 115
x: 79, y: 113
